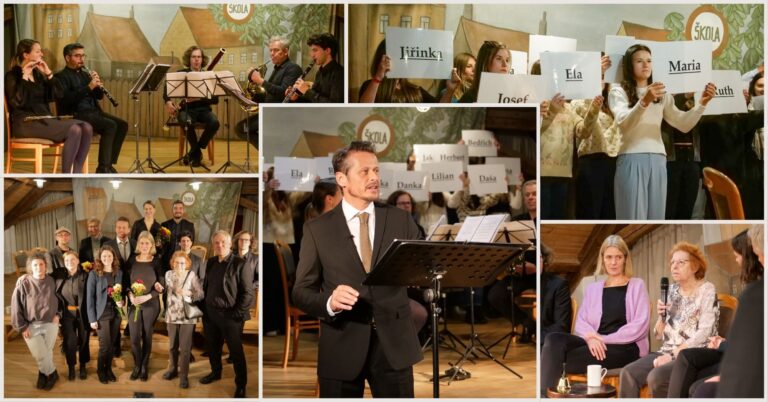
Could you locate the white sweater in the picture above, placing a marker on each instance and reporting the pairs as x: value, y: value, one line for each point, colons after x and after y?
x: 641, y: 126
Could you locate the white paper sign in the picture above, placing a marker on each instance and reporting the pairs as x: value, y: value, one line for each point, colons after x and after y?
x: 419, y: 53
x: 518, y: 63
x: 479, y: 142
x: 433, y: 153
x: 504, y: 88
x: 575, y: 75
x: 728, y: 98
x: 615, y: 47
x: 324, y: 167
x: 544, y: 43
x: 415, y: 183
x: 487, y: 179
x: 684, y: 66
x: 295, y: 174
x: 386, y: 177
x: 394, y: 166
x: 511, y: 165
x: 443, y: 176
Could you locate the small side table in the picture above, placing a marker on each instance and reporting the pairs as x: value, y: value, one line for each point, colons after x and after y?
x: 581, y: 390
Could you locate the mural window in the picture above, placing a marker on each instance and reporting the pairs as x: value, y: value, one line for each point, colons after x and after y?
x: 50, y: 34
x: 425, y: 22
x: 60, y: 19
x: 69, y: 32
x: 61, y: 33
x: 243, y: 58
x: 254, y: 57
x: 69, y: 18
x: 231, y: 58
x: 383, y: 22
x: 50, y: 19
x: 405, y: 21
x: 129, y: 73
x: 119, y: 73
x: 242, y: 76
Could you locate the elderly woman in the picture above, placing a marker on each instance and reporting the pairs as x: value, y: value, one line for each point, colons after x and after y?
x: 70, y: 290
x: 688, y: 320
x: 612, y: 323
x: 34, y: 314
x: 184, y: 287
x: 103, y: 314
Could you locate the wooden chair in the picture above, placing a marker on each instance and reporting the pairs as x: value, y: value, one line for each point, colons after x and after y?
x: 36, y: 145
x: 19, y: 261
x: 295, y: 319
x: 725, y: 196
x: 199, y: 251
x: 183, y: 139
x: 728, y: 306
x: 574, y: 310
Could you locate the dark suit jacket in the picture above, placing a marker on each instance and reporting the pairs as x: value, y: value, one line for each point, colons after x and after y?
x: 85, y: 252
x: 97, y: 294
x: 238, y: 286
x: 329, y: 258
x: 139, y: 226
x: 198, y: 266
x: 741, y: 371
x: 282, y: 77
x: 73, y: 92
x: 80, y: 278
x: 183, y: 226
x: 131, y: 252
x: 555, y: 305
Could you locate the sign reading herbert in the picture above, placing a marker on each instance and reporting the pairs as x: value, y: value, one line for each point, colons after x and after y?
x: 479, y: 142
x: 728, y: 97
x: 443, y: 176
x: 295, y: 174
x: 415, y: 183
x: 433, y: 153
x: 575, y: 75
x: 511, y: 165
x: 419, y: 53
x: 487, y: 179
x: 683, y: 66
x: 615, y: 47
x: 504, y: 88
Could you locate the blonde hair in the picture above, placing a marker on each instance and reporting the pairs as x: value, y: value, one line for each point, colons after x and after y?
x: 146, y: 235
x: 757, y: 236
x: 621, y: 245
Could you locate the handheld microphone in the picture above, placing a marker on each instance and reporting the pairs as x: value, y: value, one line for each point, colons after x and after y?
x: 664, y: 294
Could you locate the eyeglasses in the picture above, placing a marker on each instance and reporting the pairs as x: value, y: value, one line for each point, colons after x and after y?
x: 678, y: 262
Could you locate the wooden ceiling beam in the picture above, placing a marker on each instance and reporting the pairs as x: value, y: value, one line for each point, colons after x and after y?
x: 45, y: 209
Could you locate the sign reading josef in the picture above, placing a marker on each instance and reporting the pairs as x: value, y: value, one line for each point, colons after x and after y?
x: 504, y: 88
x: 377, y: 130
x: 419, y: 53
x: 683, y: 66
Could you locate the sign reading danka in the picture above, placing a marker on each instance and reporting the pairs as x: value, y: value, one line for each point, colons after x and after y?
x: 443, y: 176
x: 378, y: 131
x: 434, y: 153
x: 295, y: 174
x: 415, y: 183
x: 487, y: 179
x: 505, y: 88
x: 728, y: 97
x: 684, y: 66
x: 575, y: 75
x: 706, y: 23
x: 419, y: 53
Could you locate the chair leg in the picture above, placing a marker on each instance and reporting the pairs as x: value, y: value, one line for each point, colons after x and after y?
x: 8, y: 160
x: 287, y: 344
x: 182, y: 140
x: 38, y: 160
x: 57, y: 157
x: 85, y: 164
x: 296, y: 331
x: 211, y: 152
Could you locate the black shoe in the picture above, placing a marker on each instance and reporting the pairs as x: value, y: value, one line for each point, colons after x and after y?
x: 185, y: 160
x: 41, y: 379
x: 102, y: 169
x: 211, y: 377
x: 83, y: 372
x: 184, y: 383
x: 72, y: 375
x: 196, y: 162
x: 103, y: 377
x: 170, y: 374
x: 144, y: 374
x: 135, y: 373
x: 51, y: 381
x: 112, y: 169
x: 111, y: 375
x: 240, y: 392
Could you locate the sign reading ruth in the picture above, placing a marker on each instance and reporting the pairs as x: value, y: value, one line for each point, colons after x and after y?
x: 728, y: 97
x: 419, y: 53
x: 505, y: 88
x: 682, y: 66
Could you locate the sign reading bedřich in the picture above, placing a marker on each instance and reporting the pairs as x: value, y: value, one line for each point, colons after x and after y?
x: 706, y: 23
x: 419, y: 53
x: 378, y: 131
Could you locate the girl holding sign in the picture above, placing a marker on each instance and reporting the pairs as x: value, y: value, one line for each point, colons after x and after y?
x: 639, y: 104
x: 493, y: 57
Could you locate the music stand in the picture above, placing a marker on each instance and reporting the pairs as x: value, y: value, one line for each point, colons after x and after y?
x: 148, y: 81
x: 435, y: 264
x: 226, y: 82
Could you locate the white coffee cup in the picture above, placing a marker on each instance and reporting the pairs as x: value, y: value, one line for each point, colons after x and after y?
x: 595, y: 375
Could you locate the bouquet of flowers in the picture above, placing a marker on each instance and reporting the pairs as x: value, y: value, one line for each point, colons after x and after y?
x: 86, y: 266
x: 163, y: 236
x: 115, y: 292
x: 138, y: 289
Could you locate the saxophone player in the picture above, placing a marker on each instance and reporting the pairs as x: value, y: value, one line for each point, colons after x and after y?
x: 195, y: 110
x: 284, y: 73
x: 80, y: 95
x: 329, y: 80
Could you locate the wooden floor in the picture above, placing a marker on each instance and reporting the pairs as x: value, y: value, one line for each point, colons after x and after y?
x: 488, y: 379
x: 21, y: 372
x: 163, y: 152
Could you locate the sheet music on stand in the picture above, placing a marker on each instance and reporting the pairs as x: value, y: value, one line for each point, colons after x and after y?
x: 520, y: 232
x: 444, y: 232
x: 150, y: 78
x: 227, y: 85
x: 481, y: 229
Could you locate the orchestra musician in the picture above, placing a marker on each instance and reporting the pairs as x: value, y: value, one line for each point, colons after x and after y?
x: 329, y: 80
x: 196, y: 110
x: 284, y: 74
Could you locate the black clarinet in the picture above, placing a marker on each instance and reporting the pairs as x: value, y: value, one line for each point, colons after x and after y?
x: 103, y: 90
x: 295, y: 91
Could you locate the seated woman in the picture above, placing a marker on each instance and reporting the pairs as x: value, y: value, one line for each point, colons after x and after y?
x: 29, y: 87
x: 687, y: 321
x: 611, y: 325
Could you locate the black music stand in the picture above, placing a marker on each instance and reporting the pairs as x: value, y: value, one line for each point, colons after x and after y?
x: 435, y: 264
x: 148, y: 81
x: 231, y: 88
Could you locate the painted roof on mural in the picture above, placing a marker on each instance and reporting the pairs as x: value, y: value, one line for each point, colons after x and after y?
x: 205, y: 30
x: 121, y: 38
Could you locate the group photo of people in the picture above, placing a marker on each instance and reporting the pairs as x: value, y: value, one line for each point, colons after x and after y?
x: 131, y: 288
x: 652, y: 311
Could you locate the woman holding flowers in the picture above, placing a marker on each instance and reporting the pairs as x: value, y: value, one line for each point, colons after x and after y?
x: 104, y: 302
x: 184, y: 287
x: 144, y: 283
x: 70, y: 290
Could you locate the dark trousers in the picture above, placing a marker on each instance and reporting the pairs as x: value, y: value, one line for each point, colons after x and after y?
x: 75, y: 333
x: 220, y: 328
x: 554, y: 197
x: 385, y: 382
x: 690, y: 366
x: 199, y: 115
x: 572, y: 350
x: 142, y: 330
x: 112, y: 130
x: 108, y: 331
x: 682, y: 188
x: 594, y: 187
x: 180, y: 347
x: 273, y: 317
x: 500, y: 298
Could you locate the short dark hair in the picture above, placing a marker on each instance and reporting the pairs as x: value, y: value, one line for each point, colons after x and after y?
x: 186, y: 233
x: 178, y: 202
x: 753, y: 82
x: 340, y: 157
x: 324, y: 41
x: 68, y: 49
x: 123, y: 219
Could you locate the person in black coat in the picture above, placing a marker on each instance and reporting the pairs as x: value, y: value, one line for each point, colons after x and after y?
x: 177, y: 225
x: 148, y: 223
x: 122, y: 243
x: 328, y: 86
x: 555, y: 296
x: 75, y: 328
x: 89, y: 247
x: 284, y: 72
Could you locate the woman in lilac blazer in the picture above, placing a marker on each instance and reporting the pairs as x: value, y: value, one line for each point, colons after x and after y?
x: 612, y: 323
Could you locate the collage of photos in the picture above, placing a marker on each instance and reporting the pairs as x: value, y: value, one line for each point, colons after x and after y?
x: 383, y: 200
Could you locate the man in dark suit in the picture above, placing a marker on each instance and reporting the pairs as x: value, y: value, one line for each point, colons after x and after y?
x: 123, y: 245
x: 176, y: 225
x: 89, y: 247
x: 555, y: 299
x: 198, y: 265
x: 284, y: 73
x: 367, y: 332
